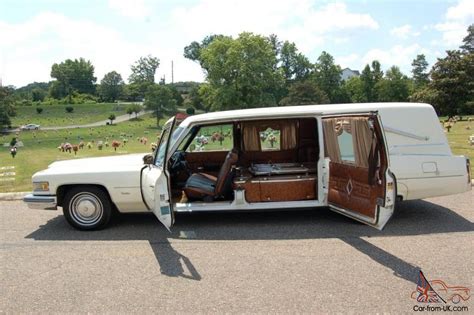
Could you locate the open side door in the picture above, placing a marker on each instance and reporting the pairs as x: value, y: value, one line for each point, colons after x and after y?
x: 360, y: 183
x: 155, y: 181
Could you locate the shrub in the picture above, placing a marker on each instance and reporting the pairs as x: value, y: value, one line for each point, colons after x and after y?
x: 190, y: 110
x: 69, y: 109
x: 39, y: 110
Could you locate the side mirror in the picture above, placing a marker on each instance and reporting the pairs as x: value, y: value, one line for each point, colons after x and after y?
x: 148, y: 159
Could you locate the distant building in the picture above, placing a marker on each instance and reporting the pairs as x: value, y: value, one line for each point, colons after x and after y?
x: 347, y: 73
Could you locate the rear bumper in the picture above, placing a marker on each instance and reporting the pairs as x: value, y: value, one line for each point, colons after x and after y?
x: 41, y: 202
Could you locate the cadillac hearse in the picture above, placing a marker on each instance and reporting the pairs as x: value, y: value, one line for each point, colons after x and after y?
x: 357, y: 159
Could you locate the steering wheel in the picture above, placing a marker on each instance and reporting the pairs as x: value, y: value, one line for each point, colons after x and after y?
x: 178, y: 162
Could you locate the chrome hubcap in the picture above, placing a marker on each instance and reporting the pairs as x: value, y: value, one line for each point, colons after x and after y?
x: 86, y: 209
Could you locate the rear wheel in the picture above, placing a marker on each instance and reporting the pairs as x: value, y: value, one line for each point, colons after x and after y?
x: 87, y: 208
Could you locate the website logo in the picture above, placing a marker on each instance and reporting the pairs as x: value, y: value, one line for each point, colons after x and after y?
x: 438, y: 292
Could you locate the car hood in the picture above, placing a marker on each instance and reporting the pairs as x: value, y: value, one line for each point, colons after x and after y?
x: 105, y: 162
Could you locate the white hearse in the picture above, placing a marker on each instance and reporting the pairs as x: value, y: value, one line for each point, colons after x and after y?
x: 358, y: 159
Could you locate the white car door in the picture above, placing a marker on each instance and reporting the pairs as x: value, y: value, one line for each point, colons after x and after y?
x: 366, y: 194
x: 155, y: 183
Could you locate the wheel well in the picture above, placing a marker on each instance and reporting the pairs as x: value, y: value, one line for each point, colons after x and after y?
x: 62, y: 191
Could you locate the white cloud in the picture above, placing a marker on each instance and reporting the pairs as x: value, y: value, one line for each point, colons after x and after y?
x: 28, y: 49
x: 457, y: 19
x: 300, y: 21
x: 397, y: 55
x: 348, y: 60
x: 463, y: 11
x: 130, y: 8
x: 404, y: 32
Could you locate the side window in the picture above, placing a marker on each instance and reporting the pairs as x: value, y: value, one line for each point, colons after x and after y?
x: 346, y: 146
x: 270, y: 139
x: 212, y: 138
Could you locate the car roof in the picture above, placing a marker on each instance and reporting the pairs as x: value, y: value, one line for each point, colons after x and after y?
x: 282, y: 111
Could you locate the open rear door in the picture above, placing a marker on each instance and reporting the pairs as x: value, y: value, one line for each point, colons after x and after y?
x: 360, y: 185
x: 155, y: 183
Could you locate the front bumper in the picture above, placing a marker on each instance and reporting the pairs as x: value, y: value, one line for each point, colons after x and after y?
x: 41, y: 202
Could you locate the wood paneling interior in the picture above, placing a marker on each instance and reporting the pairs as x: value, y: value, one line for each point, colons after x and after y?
x: 208, y: 162
x: 349, y: 188
x: 279, y: 188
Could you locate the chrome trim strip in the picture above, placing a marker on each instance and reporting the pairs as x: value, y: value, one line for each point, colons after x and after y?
x: 405, y: 133
x: 40, y: 202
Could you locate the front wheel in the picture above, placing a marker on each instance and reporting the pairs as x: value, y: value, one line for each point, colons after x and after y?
x: 87, y: 208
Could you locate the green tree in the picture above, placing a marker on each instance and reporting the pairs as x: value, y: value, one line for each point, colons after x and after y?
x: 193, y: 50
x: 143, y: 74
x: 305, y: 93
x: 195, y: 98
x: 354, y: 87
x: 452, y: 78
x: 377, y: 72
x: 7, y: 107
x: 134, y: 109
x: 111, y: 86
x: 419, y: 71
x: 73, y: 76
x: 369, y: 78
x: 451, y: 89
x: 394, y: 87
x: 35, y: 91
x: 159, y: 99
x: 468, y: 42
x: 38, y: 95
x: 176, y: 95
x: 241, y: 72
x: 328, y: 76
x: 129, y: 111
x: 295, y: 66
x: 144, y: 70
x: 112, y: 118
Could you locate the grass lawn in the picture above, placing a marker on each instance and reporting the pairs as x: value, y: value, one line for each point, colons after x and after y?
x: 458, y: 140
x: 56, y: 115
x: 40, y: 147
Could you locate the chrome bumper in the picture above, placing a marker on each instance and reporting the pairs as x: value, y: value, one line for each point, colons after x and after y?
x: 41, y: 202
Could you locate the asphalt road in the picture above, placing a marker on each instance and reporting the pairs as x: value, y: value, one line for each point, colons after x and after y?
x: 284, y: 262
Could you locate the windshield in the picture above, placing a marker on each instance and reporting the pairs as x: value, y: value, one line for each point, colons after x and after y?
x: 160, y: 156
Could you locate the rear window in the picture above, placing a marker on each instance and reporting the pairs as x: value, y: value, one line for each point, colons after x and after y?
x: 270, y: 139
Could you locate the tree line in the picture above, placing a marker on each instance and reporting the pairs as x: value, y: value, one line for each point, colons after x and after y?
x: 257, y: 71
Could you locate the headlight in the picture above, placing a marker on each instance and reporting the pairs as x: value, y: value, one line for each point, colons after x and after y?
x: 41, y: 186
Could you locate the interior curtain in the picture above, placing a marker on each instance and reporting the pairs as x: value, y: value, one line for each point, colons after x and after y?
x: 288, y: 135
x: 250, y: 137
x: 361, y: 140
x: 331, y: 146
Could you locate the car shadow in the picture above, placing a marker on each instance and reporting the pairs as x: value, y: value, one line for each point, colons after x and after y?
x: 411, y: 218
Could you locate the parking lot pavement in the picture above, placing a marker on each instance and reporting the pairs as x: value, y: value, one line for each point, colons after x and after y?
x: 292, y: 261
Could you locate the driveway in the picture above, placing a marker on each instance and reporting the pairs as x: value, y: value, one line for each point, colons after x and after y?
x: 282, y: 262
x: 118, y: 119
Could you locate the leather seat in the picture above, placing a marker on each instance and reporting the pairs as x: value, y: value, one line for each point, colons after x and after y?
x: 201, y: 185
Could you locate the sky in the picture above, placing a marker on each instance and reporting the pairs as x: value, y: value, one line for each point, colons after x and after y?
x: 113, y: 34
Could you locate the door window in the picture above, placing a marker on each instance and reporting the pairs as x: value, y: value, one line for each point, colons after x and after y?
x: 213, y: 138
x: 346, y: 146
